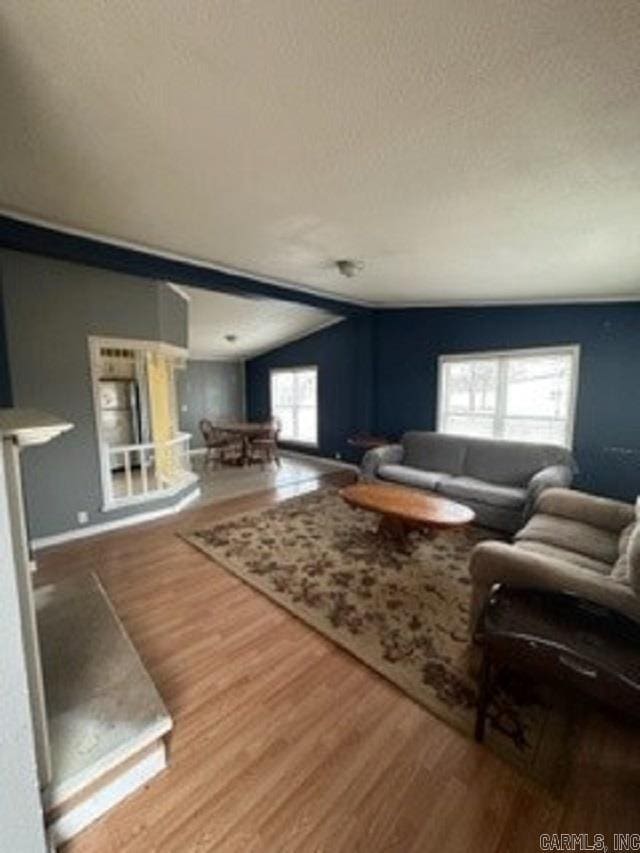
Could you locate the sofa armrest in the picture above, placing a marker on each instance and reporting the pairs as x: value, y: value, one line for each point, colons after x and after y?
x: 590, y: 509
x: 498, y: 562
x: 547, y: 478
x: 389, y: 454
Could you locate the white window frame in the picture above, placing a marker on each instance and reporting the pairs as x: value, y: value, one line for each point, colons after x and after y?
x: 297, y: 369
x: 573, y: 350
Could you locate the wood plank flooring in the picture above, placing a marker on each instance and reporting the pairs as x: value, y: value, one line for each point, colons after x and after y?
x: 283, y: 742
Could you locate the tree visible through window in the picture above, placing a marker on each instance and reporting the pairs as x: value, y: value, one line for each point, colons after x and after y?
x: 524, y: 395
x: 294, y: 401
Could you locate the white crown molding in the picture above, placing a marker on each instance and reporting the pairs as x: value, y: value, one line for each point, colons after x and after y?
x: 373, y: 304
x: 504, y: 303
x: 175, y: 256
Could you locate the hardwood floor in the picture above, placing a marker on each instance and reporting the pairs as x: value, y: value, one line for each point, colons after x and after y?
x: 283, y: 742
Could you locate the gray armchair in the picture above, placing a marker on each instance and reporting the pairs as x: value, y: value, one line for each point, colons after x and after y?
x: 574, y: 542
x: 553, y: 476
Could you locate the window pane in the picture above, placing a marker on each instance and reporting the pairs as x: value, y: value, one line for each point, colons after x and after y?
x: 307, y: 425
x: 477, y: 425
x: 471, y: 386
x: 306, y: 390
x: 294, y: 402
x: 538, y: 386
x: 534, y: 429
x: 285, y: 415
x: 282, y: 389
x: 513, y: 396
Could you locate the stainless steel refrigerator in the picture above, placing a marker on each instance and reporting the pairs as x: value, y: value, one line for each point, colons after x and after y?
x: 119, y: 416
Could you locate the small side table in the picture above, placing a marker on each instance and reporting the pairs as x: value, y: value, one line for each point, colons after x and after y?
x: 560, y: 637
x: 364, y: 441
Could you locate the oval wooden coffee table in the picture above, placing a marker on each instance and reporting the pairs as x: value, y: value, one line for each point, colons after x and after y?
x: 404, y: 509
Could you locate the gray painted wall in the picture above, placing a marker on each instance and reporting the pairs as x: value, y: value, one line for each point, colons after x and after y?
x: 173, y: 325
x: 210, y: 389
x: 51, y: 307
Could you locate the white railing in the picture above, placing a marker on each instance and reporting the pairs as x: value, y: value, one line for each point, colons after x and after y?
x: 139, y: 472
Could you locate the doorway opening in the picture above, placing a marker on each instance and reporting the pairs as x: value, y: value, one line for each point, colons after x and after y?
x: 143, y: 453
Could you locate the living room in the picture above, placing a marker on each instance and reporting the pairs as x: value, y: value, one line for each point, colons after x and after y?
x: 319, y: 344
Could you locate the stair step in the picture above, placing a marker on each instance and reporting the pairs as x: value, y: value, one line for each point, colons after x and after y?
x: 106, y: 719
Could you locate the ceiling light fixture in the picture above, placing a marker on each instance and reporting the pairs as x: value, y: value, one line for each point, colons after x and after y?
x: 349, y: 267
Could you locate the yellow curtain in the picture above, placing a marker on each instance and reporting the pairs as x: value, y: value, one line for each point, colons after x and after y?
x: 159, y: 376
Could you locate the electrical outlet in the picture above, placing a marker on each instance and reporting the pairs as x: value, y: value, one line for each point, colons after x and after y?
x: 83, y: 517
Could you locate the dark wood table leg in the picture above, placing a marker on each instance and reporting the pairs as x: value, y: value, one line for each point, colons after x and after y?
x: 393, y: 528
x: 483, y: 697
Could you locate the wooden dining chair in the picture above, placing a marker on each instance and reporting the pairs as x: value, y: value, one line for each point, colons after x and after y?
x: 221, y: 446
x: 263, y: 447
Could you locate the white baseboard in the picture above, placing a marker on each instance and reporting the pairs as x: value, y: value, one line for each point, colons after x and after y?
x: 116, y: 504
x: 104, y: 527
x: 74, y: 821
x: 349, y: 466
x: 200, y: 451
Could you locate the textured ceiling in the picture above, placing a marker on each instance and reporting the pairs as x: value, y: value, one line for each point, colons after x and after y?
x: 467, y: 150
x: 259, y: 324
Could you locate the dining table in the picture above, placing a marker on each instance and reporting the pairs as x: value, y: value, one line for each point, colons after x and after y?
x: 246, y: 430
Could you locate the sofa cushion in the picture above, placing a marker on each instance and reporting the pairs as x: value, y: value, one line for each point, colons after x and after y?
x: 415, y: 477
x: 596, y: 511
x: 571, y: 535
x: 581, y: 561
x: 433, y: 451
x: 468, y: 488
x: 511, y: 463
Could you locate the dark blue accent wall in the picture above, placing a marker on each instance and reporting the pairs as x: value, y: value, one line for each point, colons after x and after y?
x: 344, y: 356
x: 607, y: 429
x: 404, y: 346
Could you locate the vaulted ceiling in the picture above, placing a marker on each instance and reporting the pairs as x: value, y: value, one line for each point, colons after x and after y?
x: 464, y: 151
x: 255, y: 325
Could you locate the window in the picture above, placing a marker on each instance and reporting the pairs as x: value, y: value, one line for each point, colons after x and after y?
x: 523, y: 395
x: 294, y: 401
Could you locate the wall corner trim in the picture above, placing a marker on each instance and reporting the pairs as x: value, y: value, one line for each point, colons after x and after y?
x: 182, y: 293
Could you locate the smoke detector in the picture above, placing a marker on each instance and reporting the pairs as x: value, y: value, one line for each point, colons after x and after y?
x: 349, y: 267
x: 231, y: 338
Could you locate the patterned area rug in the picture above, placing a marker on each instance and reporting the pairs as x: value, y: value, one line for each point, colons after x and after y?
x: 404, y: 613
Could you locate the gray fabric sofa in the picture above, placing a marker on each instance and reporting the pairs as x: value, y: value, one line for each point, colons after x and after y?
x: 499, y: 480
x: 574, y: 542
